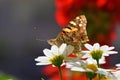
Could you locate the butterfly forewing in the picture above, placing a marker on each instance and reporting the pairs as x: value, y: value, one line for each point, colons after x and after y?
x: 73, y: 34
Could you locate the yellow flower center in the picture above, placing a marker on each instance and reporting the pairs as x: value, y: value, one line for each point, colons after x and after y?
x: 96, y: 54
x: 92, y: 67
x: 57, y: 60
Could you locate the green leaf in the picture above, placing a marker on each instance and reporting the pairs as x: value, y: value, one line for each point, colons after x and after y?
x: 6, y: 77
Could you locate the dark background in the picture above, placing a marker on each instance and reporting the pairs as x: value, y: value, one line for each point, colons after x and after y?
x: 25, y: 27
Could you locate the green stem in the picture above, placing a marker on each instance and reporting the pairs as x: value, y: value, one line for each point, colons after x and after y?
x: 60, y: 72
x: 98, y: 67
x: 98, y: 63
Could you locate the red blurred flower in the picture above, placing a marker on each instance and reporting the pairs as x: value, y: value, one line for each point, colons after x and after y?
x: 53, y: 74
x: 66, y: 10
x: 112, y: 5
x: 62, y: 4
x: 101, y: 14
x: 113, y: 36
x: 101, y: 3
x: 63, y: 17
x: 69, y: 4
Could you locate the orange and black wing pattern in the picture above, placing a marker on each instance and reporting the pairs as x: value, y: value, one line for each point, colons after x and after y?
x: 73, y: 34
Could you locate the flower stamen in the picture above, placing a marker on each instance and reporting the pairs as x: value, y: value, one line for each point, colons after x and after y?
x: 57, y: 60
x: 96, y: 54
x: 92, y: 67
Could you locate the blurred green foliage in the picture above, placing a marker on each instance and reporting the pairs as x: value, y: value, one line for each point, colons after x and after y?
x: 6, y: 77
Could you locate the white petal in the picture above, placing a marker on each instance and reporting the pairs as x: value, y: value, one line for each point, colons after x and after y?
x: 62, y: 48
x: 43, y: 63
x: 102, y: 60
x: 78, y: 69
x: 106, y: 72
x: 68, y: 65
x: 88, y: 46
x: 104, y: 48
x: 111, y: 48
x: 54, y: 49
x: 112, y: 52
x: 86, y: 52
x: 42, y: 59
x: 96, y: 46
x: 47, y: 52
x: 117, y: 75
x: 105, y: 54
x: 101, y: 71
x: 86, y: 56
x: 118, y: 65
x: 91, y: 61
x: 109, y: 52
x: 72, y: 64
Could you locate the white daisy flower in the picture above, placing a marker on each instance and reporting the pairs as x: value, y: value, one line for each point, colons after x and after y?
x: 116, y: 74
x: 98, y: 52
x: 85, y: 67
x: 55, y: 56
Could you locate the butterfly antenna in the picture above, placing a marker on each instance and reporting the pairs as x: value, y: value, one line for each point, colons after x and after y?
x: 42, y: 40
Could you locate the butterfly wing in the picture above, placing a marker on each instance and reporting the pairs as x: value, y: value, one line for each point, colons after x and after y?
x: 73, y: 34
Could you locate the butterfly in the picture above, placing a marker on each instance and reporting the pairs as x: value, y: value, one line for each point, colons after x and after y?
x: 73, y: 34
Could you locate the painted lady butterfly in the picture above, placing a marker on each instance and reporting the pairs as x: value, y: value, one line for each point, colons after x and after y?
x: 73, y: 34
